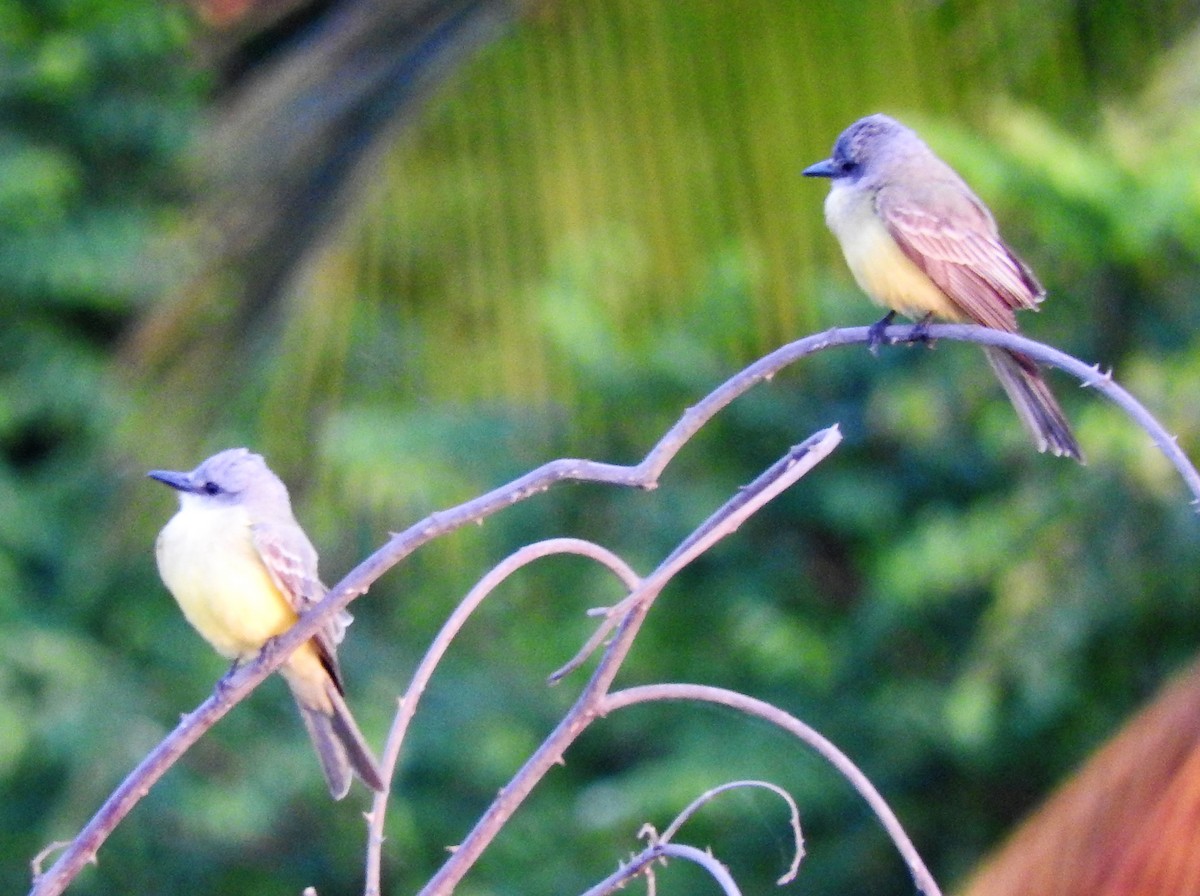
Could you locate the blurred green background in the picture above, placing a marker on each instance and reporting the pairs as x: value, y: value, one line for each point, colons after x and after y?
x: 547, y: 239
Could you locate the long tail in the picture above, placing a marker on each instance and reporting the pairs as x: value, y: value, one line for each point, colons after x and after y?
x: 1034, y: 402
x: 339, y: 743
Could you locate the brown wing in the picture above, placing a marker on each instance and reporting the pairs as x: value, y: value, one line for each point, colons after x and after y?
x: 291, y: 562
x: 952, y: 238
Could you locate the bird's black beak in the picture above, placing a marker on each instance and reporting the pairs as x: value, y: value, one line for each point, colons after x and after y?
x: 179, y: 481
x: 821, y: 169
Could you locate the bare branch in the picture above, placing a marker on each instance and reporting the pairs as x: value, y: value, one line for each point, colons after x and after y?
x: 775, y: 479
x: 452, y: 626
x: 642, y: 862
x: 612, y: 618
x: 794, y: 818
x: 591, y: 703
x: 661, y: 846
x: 234, y: 687
x: 82, y: 850
x: 776, y: 716
x: 1089, y: 376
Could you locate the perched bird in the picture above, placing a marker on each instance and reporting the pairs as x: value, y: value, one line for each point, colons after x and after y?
x: 921, y: 243
x: 242, y: 570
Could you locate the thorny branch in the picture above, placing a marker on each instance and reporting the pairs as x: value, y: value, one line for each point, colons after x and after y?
x: 408, y: 703
x: 660, y: 844
x: 773, y: 714
x: 709, y: 795
x: 233, y: 688
x: 590, y: 704
x: 643, y: 863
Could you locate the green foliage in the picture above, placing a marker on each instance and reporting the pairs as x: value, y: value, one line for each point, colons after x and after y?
x: 598, y: 223
x: 88, y: 141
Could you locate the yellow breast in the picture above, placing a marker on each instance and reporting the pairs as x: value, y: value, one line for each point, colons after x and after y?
x: 207, y: 560
x: 879, y: 266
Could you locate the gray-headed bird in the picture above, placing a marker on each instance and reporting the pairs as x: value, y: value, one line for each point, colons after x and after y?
x: 242, y: 570
x: 920, y: 243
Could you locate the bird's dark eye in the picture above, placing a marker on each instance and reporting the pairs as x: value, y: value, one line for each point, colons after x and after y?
x: 211, y: 488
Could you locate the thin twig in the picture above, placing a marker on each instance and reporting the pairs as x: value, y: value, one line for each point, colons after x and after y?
x: 82, y: 850
x: 643, y: 861
x: 776, y: 716
x: 35, y: 864
x: 452, y: 626
x: 775, y: 479
x: 1089, y: 376
x: 590, y: 703
x: 708, y: 796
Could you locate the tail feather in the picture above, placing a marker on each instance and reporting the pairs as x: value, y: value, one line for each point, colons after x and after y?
x: 1034, y: 403
x: 340, y: 745
x: 358, y: 754
x: 334, y: 761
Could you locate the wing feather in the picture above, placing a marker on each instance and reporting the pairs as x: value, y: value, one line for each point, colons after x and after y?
x: 291, y: 561
x: 961, y: 252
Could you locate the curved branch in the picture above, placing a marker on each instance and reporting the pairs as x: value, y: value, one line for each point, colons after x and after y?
x: 779, y: 476
x: 642, y: 862
x: 789, y: 723
x: 234, y: 687
x: 591, y: 703
x: 449, y: 630
x: 82, y: 850
x: 793, y: 818
x: 1089, y: 376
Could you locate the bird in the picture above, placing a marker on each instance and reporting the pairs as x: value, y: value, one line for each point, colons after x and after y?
x: 242, y: 571
x: 919, y: 242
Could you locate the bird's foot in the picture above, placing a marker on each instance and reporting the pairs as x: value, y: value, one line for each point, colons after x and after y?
x: 875, y: 337
x: 920, y: 331
x: 268, y: 649
x: 226, y: 680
